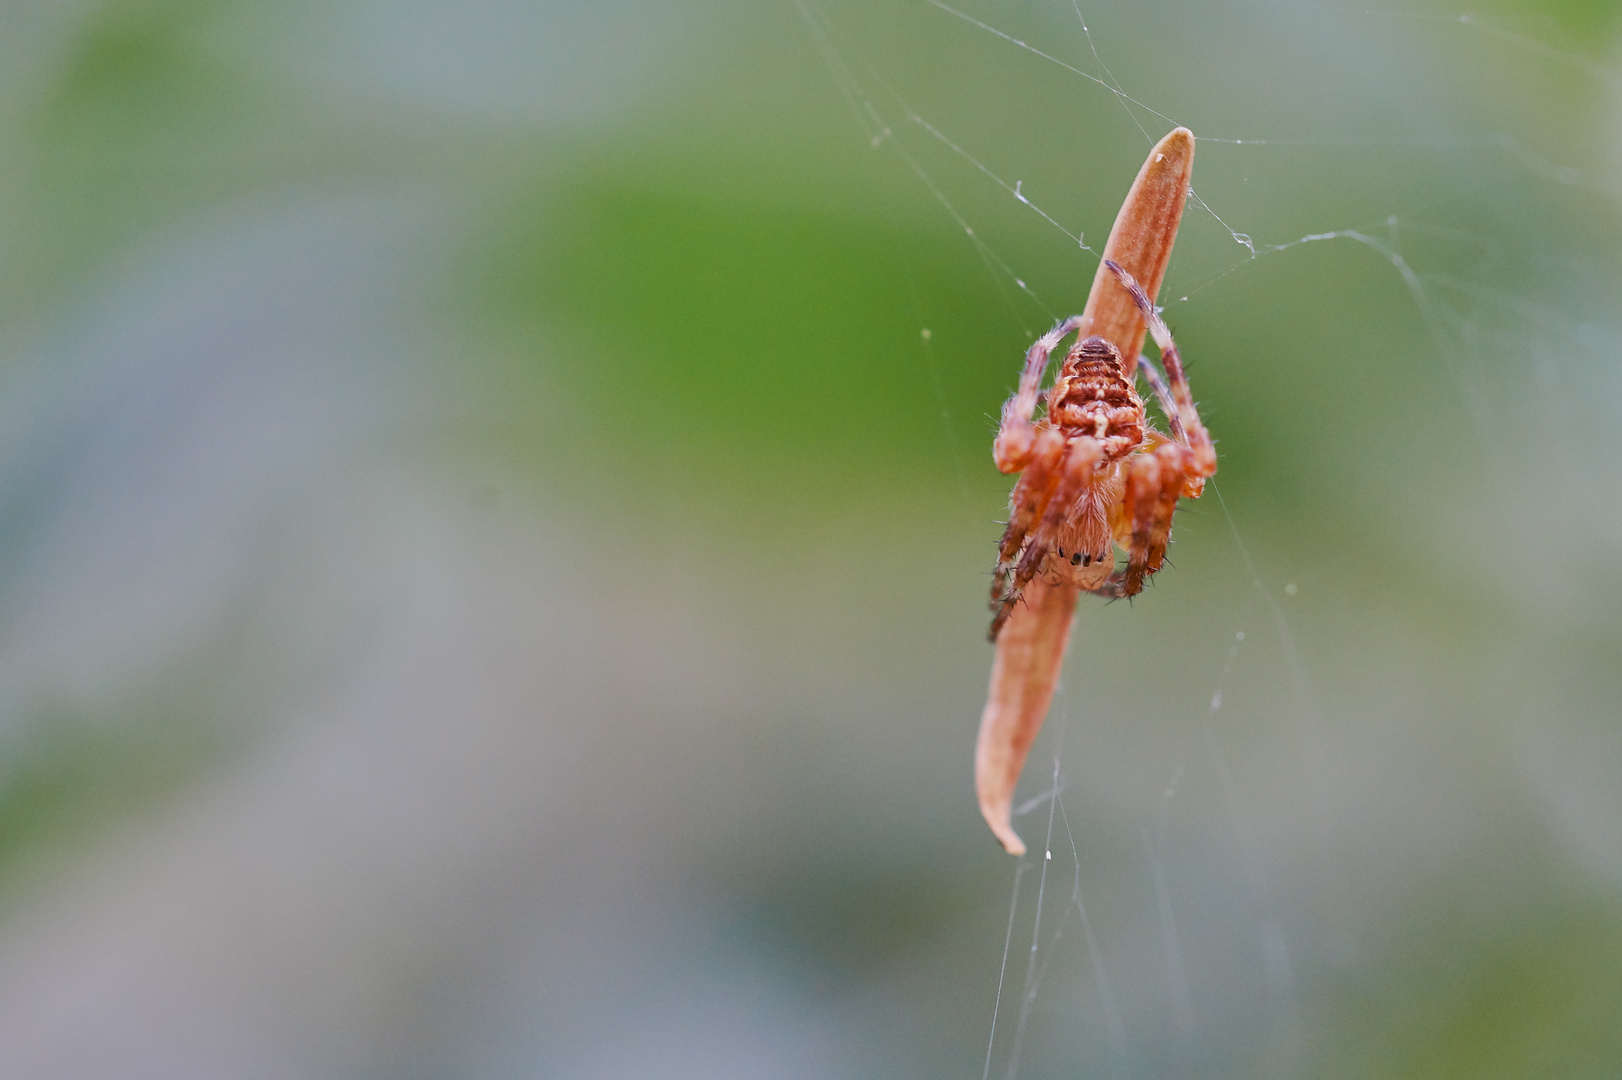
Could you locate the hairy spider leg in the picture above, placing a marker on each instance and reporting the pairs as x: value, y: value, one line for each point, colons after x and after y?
x: 1078, y: 470
x: 1157, y: 382
x: 1077, y: 473
x: 1026, y: 505
x: 1016, y: 436
x: 1154, y: 481
x: 1196, y: 438
x: 1168, y: 469
x: 1023, y: 446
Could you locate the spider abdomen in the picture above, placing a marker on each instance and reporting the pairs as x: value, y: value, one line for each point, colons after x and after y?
x: 1092, y: 396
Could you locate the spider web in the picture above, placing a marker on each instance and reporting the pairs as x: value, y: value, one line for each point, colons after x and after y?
x: 493, y: 495
x: 1262, y: 851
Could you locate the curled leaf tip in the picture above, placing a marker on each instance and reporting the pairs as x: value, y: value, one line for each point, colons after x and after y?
x: 1030, y: 649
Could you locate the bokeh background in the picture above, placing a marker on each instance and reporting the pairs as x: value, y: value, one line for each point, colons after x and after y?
x: 495, y: 511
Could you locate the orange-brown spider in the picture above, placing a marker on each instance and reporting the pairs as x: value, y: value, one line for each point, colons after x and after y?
x: 1094, y: 470
x: 1096, y: 475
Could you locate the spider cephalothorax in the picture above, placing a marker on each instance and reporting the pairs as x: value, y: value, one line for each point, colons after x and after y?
x: 1095, y: 474
x: 1092, y: 396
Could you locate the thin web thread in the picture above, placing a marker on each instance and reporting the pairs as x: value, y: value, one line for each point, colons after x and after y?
x: 1032, y: 972
x: 1002, y: 974
x: 1436, y: 319
x: 1182, y: 1001
x: 871, y: 117
x: 1273, y: 945
x: 1446, y: 351
x: 881, y: 134
x: 1038, y: 963
x: 1120, y: 1065
x: 1607, y: 75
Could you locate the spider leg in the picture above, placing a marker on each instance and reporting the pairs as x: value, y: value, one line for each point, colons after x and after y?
x: 1016, y: 435
x: 1077, y: 470
x: 1195, y: 437
x: 1157, y: 382
x: 1026, y: 504
x: 1154, y: 482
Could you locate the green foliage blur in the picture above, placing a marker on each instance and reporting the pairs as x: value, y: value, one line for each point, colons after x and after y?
x: 495, y: 508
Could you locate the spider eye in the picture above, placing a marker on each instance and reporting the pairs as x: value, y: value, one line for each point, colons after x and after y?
x: 1086, y: 560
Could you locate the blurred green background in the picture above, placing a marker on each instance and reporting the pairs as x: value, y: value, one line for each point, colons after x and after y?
x: 495, y: 511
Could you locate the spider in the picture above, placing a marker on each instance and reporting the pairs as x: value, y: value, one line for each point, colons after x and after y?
x: 1094, y: 472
